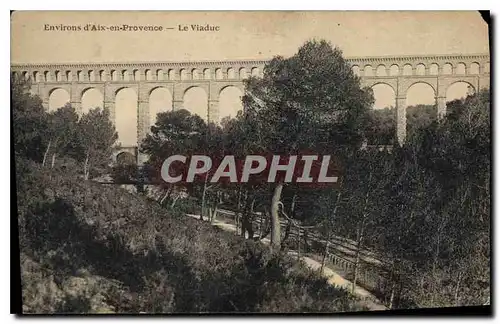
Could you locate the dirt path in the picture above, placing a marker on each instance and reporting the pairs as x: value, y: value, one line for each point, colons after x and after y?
x: 367, y: 298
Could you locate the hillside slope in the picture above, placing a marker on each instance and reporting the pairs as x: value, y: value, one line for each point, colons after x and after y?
x: 86, y: 247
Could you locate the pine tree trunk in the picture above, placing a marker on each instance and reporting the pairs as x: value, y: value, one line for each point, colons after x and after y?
x: 249, y: 230
x: 243, y: 225
x: 306, y: 242
x: 287, y: 233
x: 46, y: 153
x: 203, y: 197
x: 361, y: 233
x: 266, y: 223
x: 236, y: 221
x: 174, y: 201
x: 86, y: 167
x: 393, y: 285
x: 243, y: 217
x: 166, y: 195
x: 289, y: 225
x: 53, y: 160
x: 275, y: 220
x: 214, y: 214
x: 325, y: 253
x: 327, y: 244
x: 239, y: 199
x: 391, y: 299
x: 356, y: 263
x: 434, y: 267
x: 262, y: 225
x: 358, y: 252
x: 457, y: 288
x: 237, y: 215
x: 246, y: 224
x: 298, y: 243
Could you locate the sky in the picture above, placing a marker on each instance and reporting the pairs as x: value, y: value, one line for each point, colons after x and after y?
x: 251, y: 35
x: 241, y: 35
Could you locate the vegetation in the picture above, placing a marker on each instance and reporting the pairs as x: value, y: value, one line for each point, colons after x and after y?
x: 381, y: 129
x: 416, y: 206
x: 311, y: 102
x: 423, y: 208
x: 89, y: 247
x: 39, y: 135
x: 92, y: 248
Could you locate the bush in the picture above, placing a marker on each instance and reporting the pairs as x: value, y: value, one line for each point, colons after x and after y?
x: 188, y: 205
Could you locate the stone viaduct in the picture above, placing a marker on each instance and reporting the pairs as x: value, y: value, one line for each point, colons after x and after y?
x: 398, y: 72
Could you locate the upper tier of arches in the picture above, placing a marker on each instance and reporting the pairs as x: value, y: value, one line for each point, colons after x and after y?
x: 421, y: 69
x: 112, y: 74
x: 240, y: 70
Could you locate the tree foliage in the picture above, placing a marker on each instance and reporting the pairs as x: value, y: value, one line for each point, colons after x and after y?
x: 42, y: 135
x: 95, y: 137
x: 62, y: 131
x: 422, y: 208
x: 29, y: 122
x: 311, y: 101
